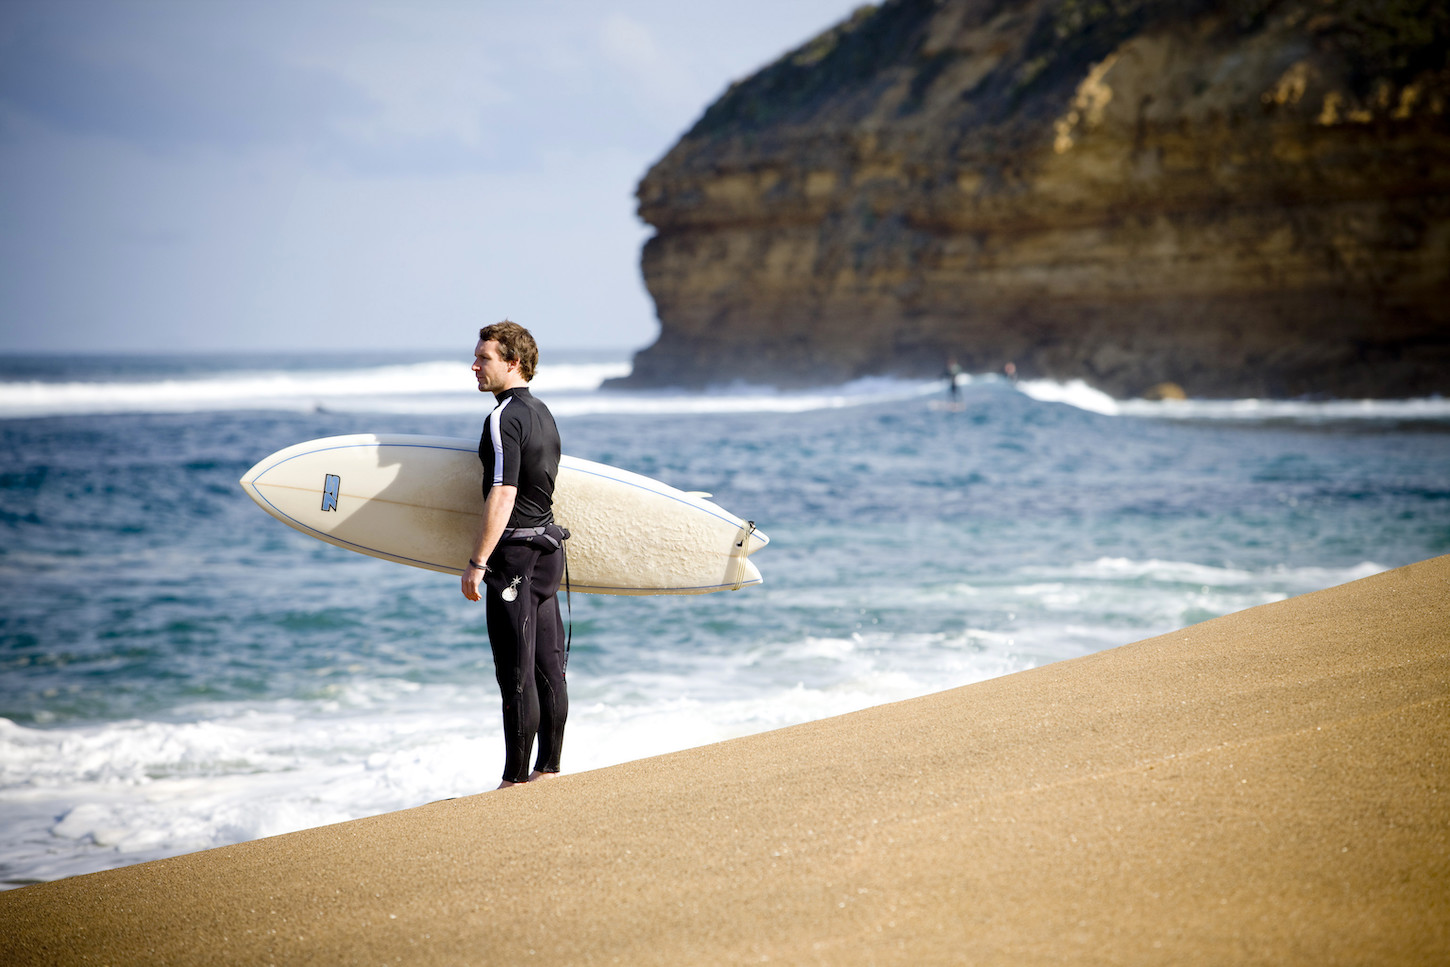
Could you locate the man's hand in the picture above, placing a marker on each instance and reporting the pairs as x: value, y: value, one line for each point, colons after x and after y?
x: 497, y: 507
x: 472, y: 578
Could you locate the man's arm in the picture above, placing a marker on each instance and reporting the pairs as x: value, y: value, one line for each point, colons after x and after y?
x: 497, y: 509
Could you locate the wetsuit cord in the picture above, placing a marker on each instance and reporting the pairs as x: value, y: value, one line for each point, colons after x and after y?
x: 569, y: 602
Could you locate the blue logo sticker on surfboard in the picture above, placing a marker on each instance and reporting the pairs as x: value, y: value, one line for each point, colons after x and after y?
x: 330, y: 486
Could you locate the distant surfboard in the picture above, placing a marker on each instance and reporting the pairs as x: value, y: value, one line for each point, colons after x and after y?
x: 417, y: 500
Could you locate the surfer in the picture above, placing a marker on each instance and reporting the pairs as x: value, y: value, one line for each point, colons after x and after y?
x: 518, y: 558
x: 953, y: 376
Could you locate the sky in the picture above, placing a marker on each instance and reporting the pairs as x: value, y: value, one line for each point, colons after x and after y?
x: 255, y: 175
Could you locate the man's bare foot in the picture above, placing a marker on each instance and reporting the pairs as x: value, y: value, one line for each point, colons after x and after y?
x: 534, y: 776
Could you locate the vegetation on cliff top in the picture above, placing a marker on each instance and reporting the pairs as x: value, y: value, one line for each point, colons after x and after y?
x: 1380, y: 41
x: 1394, y: 40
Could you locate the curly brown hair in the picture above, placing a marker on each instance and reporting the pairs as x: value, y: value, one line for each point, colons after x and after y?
x: 514, y: 343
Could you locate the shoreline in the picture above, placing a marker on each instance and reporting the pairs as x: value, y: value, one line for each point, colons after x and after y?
x: 1270, y: 786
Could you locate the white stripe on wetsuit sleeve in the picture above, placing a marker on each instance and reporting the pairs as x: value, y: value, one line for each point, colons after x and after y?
x: 494, y: 420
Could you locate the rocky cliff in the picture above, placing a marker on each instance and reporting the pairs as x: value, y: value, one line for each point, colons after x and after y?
x: 1248, y: 197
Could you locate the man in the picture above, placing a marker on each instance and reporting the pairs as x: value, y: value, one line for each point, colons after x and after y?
x: 518, y: 557
x: 953, y: 377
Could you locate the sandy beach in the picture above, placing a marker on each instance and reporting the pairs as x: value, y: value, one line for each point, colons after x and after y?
x: 1270, y: 787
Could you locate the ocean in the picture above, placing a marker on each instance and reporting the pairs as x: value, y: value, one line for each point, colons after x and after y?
x: 179, y: 671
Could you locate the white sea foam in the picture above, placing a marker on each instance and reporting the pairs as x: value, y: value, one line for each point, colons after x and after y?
x: 87, y: 797
x: 430, y: 388
x: 1079, y: 394
x: 1184, y: 572
x: 572, y: 389
x: 1073, y: 393
x: 742, y: 399
x: 1294, y: 411
x: 1082, y: 607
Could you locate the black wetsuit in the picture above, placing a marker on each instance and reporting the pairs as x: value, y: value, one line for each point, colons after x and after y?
x: 520, y: 448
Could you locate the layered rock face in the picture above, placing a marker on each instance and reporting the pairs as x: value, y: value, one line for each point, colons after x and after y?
x: 1244, y: 198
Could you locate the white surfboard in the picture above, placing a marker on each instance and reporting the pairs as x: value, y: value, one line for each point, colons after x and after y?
x: 417, y: 500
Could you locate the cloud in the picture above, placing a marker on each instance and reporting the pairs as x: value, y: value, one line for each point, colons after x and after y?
x: 628, y: 42
x: 430, y: 73
x: 165, y: 84
x: 378, y: 89
x: 656, y: 75
x: 317, y: 173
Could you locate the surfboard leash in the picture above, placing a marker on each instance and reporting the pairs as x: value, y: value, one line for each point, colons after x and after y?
x: 741, y: 539
x: 568, y: 602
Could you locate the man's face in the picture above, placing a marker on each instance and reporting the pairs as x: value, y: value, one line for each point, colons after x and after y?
x: 492, y: 371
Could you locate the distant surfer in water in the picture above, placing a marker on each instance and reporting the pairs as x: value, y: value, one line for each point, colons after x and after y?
x: 953, y: 376
x: 518, y: 557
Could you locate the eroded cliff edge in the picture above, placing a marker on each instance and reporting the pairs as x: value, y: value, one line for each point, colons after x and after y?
x: 1247, y: 198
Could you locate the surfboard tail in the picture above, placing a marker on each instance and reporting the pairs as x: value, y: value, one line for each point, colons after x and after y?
x: 743, y: 571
